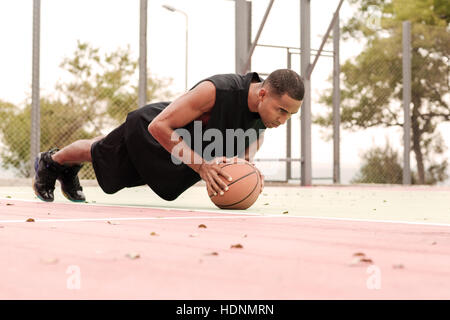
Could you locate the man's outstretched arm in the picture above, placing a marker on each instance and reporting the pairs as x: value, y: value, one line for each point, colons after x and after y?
x: 179, y: 113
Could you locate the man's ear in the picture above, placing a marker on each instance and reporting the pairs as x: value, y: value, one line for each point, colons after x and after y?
x: 262, y: 93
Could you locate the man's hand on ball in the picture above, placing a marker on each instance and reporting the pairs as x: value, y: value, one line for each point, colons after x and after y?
x: 210, y: 172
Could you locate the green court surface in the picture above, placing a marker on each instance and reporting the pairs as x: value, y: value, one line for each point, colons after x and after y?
x: 419, y: 204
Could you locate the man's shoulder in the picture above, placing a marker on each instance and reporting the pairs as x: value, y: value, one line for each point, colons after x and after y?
x: 232, y: 81
x: 226, y: 81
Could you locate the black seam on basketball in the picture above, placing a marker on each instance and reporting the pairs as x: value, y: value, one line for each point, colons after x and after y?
x: 233, y: 204
x: 241, y: 178
x: 257, y: 179
x: 237, y: 181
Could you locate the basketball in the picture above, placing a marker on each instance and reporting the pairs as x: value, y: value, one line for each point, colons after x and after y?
x: 243, y: 190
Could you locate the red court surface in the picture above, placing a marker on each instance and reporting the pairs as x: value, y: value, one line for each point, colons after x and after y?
x: 84, y: 251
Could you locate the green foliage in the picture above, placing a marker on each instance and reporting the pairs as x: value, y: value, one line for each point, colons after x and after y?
x: 442, y: 9
x: 380, y: 165
x: 371, y: 94
x: 61, y: 125
x: 96, y: 97
x: 103, y: 84
x: 15, y: 133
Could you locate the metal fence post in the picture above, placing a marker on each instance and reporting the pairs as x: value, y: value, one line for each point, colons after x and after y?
x: 305, y: 43
x: 406, y: 101
x: 336, y: 104
x: 142, y: 95
x: 288, y: 131
x: 35, y: 132
x: 243, y: 21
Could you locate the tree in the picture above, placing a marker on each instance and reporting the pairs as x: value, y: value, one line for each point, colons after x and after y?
x: 60, y: 126
x: 96, y: 97
x: 372, y: 82
x: 103, y: 84
x: 380, y: 165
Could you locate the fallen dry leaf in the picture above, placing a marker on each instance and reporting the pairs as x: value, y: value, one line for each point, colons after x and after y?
x: 10, y: 204
x: 133, y: 255
x: 49, y: 260
x: 355, y: 262
x: 30, y: 220
x: 154, y: 234
x: 202, y: 226
x: 236, y: 246
x: 359, y: 254
x: 285, y: 212
x: 360, y: 261
x: 112, y: 223
x: 212, y: 254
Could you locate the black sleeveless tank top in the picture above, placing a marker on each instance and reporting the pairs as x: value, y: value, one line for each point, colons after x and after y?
x: 154, y: 163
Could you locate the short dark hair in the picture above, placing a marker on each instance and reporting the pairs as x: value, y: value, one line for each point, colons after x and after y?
x: 283, y: 81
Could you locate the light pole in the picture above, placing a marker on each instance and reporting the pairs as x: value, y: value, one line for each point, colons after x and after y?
x: 172, y: 9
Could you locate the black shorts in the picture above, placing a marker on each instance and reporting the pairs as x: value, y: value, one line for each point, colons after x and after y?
x: 112, y: 164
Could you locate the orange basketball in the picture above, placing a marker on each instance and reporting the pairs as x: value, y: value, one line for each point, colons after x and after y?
x: 243, y: 190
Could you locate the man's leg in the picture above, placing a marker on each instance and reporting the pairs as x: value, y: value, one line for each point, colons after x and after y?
x: 76, y: 152
x: 62, y: 165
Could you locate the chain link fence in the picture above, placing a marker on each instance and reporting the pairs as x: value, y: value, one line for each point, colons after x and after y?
x: 430, y: 103
x: 95, y: 86
x: 372, y: 107
x: 95, y: 96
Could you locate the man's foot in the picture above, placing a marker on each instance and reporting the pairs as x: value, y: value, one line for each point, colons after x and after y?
x: 70, y: 185
x: 46, y: 173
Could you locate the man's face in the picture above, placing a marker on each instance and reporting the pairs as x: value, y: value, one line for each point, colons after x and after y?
x: 276, y: 110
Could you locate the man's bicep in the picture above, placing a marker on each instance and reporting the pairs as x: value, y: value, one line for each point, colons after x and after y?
x: 188, y: 107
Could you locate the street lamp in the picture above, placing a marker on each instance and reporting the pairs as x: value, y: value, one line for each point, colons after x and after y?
x: 172, y: 9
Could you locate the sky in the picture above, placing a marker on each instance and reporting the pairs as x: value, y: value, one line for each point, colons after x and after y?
x: 109, y: 24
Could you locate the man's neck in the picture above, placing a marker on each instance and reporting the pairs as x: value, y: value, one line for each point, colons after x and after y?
x: 253, y: 96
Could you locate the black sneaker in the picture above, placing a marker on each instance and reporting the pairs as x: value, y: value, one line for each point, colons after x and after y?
x: 70, y: 185
x: 46, y: 173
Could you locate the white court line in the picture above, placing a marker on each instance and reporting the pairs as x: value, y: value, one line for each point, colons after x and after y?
x: 222, y: 211
x: 224, y: 217
x: 231, y: 215
x: 128, y: 219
